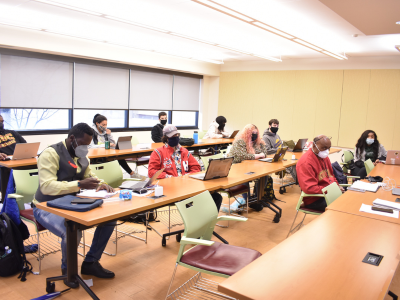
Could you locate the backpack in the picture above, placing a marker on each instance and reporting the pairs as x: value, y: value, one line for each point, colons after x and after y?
x: 12, y: 254
x: 186, y: 141
x: 338, y: 173
x: 269, y: 193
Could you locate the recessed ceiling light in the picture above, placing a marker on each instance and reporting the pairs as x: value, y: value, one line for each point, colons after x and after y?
x: 192, y: 38
x: 226, y: 10
x: 233, y: 49
x: 136, y: 24
x: 307, y: 44
x: 70, y: 7
x: 338, y: 56
x: 268, y: 57
x: 269, y: 28
x: 21, y: 26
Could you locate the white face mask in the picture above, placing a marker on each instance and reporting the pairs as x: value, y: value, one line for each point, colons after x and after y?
x: 370, y: 141
x: 80, y: 150
x: 322, y: 154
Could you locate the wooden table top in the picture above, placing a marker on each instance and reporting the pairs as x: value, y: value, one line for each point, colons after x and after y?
x: 350, y: 202
x: 323, y: 261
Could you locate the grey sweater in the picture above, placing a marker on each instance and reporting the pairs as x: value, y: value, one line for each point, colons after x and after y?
x: 101, y: 137
x: 272, y: 141
x: 382, y: 152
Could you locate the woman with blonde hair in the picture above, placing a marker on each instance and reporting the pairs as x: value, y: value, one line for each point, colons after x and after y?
x: 248, y: 145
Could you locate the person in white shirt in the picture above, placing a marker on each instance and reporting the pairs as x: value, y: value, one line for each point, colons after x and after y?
x: 216, y: 129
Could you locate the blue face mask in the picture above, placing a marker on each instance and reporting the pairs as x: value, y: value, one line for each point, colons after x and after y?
x: 370, y: 141
x: 173, y: 141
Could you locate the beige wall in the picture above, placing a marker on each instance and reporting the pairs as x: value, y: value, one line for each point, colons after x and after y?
x: 338, y: 103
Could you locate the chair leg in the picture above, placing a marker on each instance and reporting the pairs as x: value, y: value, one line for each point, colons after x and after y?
x: 40, y: 258
x: 172, y: 280
x: 298, y: 226
x: 393, y: 295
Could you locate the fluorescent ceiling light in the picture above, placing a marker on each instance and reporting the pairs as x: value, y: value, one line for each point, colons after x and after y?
x: 21, y: 26
x: 268, y: 57
x: 136, y: 24
x: 209, y: 60
x: 307, y: 44
x: 269, y: 28
x: 233, y: 49
x: 338, y: 56
x: 226, y: 10
x: 192, y: 38
x: 69, y: 7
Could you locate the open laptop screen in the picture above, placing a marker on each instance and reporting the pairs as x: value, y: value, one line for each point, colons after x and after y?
x: 218, y: 168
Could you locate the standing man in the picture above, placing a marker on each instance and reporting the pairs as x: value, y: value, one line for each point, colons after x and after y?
x: 272, y: 140
x: 157, y: 131
x: 64, y: 169
x: 315, y: 172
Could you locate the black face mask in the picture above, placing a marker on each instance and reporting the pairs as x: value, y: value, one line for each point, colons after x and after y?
x: 173, y: 141
x: 274, y: 129
x: 163, y: 122
x: 254, y: 136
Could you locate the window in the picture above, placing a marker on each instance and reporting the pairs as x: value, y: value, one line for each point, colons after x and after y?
x: 115, y: 118
x: 184, y: 118
x: 35, y: 119
x: 144, y: 118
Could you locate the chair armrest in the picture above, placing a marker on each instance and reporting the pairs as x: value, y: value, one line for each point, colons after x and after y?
x: 131, y: 179
x: 188, y: 241
x: 345, y: 184
x: 231, y: 218
x: 15, y: 196
x: 312, y: 195
x: 353, y: 176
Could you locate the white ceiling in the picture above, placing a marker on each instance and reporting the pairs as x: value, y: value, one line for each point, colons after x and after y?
x: 307, y: 19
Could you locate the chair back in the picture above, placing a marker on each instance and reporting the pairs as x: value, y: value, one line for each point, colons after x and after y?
x: 369, y: 166
x: 134, y: 140
x: 348, y: 156
x: 199, y: 214
x: 26, y: 184
x: 110, y: 172
x: 202, y: 134
x: 331, y: 192
x: 206, y: 159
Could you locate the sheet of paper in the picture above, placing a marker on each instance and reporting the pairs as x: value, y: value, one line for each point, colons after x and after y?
x: 144, y: 146
x: 89, y: 282
x: 94, y: 194
x: 368, y: 209
x: 362, y: 185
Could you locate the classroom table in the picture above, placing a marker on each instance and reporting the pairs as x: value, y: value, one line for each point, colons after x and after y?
x: 323, y: 261
x: 350, y: 202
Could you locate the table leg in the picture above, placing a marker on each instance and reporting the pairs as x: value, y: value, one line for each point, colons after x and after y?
x: 5, y: 176
x: 72, y: 263
x: 269, y: 204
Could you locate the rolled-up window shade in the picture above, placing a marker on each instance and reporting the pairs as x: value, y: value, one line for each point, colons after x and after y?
x: 150, y: 91
x: 35, y: 83
x: 186, y: 93
x: 100, y: 87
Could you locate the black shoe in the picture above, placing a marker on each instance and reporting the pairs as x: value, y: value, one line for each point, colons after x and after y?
x: 95, y: 269
x: 73, y: 285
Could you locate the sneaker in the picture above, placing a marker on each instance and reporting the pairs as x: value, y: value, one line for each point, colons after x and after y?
x: 95, y: 269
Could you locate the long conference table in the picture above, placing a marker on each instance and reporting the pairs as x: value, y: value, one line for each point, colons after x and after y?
x: 324, y: 259
x: 175, y: 189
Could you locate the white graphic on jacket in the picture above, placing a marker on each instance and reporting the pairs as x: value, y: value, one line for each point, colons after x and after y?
x: 167, y: 163
x: 185, y: 165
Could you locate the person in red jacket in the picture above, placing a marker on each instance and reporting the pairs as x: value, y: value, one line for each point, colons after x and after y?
x: 314, y: 172
x: 176, y: 160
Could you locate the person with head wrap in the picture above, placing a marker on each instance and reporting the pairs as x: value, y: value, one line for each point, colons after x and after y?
x: 217, y: 129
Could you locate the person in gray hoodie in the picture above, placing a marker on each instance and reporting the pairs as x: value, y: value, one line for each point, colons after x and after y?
x: 101, y: 134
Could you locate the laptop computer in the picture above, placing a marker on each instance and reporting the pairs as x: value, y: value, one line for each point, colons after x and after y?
x: 393, y: 157
x: 396, y: 191
x: 217, y: 168
x: 124, y: 143
x: 25, y: 150
x: 299, y: 146
x: 277, y: 157
x: 232, y: 136
x: 141, y: 185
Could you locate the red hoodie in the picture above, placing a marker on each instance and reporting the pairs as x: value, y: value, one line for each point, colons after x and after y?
x: 162, y: 158
x: 314, y: 173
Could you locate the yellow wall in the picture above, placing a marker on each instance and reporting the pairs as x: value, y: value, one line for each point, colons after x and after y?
x: 338, y: 103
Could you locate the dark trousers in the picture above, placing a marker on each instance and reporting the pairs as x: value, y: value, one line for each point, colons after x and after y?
x: 125, y: 166
x: 320, y: 205
x: 357, y: 171
x: 217, y: 199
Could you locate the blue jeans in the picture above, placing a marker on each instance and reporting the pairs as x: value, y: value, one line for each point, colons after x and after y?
x: 56, y: 225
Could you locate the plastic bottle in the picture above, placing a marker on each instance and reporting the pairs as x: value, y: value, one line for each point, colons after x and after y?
x: 196, y: 137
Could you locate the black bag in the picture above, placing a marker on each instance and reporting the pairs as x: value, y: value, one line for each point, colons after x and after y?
x: 374, y: 178
x: 186, y: 141
x: 338, y: 173
x: 12, y: 253
x: 257, y: 206
x: 269, y: 193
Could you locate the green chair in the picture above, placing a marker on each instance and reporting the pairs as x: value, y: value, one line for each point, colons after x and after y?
x: 138, y: 161
x: 369, y: 166
x: 26, y: 185
x: 348, y: 156
x: 202, y: 134
x: 200, y: 215
x: 112, y: 174
x: 330, y: 193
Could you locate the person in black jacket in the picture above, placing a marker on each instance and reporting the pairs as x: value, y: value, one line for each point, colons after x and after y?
x: 8, y: 139
x: 157, y: 131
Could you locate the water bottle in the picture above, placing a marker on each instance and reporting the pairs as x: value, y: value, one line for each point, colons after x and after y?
x: 196, y: 137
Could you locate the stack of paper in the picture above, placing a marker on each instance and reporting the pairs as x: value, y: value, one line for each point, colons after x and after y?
x: 386, y: 204
x: 93, y: 194
x: 362, y: 185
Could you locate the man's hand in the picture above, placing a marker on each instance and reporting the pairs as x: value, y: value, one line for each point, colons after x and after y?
x: 341, y: 188
x: 89, y: 183
x: 3, y: 156
x: 106, y: 187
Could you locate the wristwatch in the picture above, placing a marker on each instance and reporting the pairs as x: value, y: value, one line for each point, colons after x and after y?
x: 79, y: 184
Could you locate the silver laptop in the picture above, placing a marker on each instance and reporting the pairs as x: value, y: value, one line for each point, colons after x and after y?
x: 299, y: 146
x: 396, y: 191
x: 217, y: 168
x: 393, y: 157
x: 140, y: 185
x: 25, y: 150
x: 232, y: 136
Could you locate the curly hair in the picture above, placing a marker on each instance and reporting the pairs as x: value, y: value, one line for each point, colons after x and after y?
x: 362, y: 143
x: 245, y: 134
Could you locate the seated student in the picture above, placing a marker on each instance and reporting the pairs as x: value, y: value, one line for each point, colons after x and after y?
x: 314, y: 172
x: 176, y: 160
x: 101, y: 134
x: 8, y: 139
x: 272, y: 140
x: 157, y: 131
x: 64, y: 169
x: 216, y: 129
x: 367, y: 147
